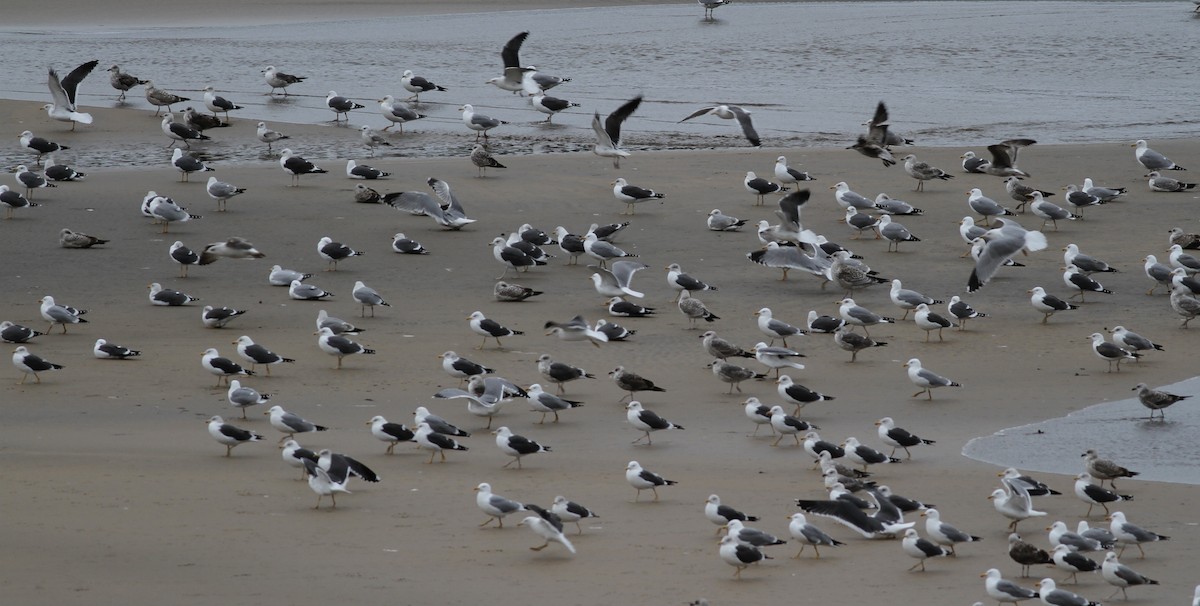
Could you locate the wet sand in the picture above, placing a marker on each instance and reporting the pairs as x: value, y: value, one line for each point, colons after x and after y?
x: 116, y: 492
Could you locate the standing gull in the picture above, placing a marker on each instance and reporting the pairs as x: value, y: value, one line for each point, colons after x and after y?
x: 547, y: 531
x: 392, y: 433
x: 608, y: 134
x: 854, y: 342
x: 228, y: 435
x: 479, y: 123
x: 30, y: 364
x: 1109, y: 352
x: 760, y: 187
x: 646, y: 421
x: 1156, y: 400
x: 1128, y: 534
x: 1026, y: 554
x: 797, y: 394
x: 372, y: 138
x: 729, y: 112
x: 550, y: 105
x: 31, y: 180
x: 546, y: 403
x: 736, y: 554
x: 856, y: 315
x: 1050, y: 212
x: 632, y: 382
x: 1072, y: 561
x: 986, y: 207
x: 161, y: 98
x: 632, y: 194
x: 516, y: 446
x: 295, y: 166
x: 894, y: 233
x: 279, y: 80
x: 926, y: 379
x: 436, y: 442
x: 921, y: 549
x: 709, y: 7
x: 908, y: 300
x: 1151, y: 159
x: 786, y: 174
x: 268, y: 136
x: 680, y: 282
x: 60, y: 314
x: 489, y: 329
x: 179, y: 131
x: 334, y: 251
x: 483, y: 159
x: 897, y: 437
x: 122, y: 81
x: 340, y: 106
x: 943, y: 533
x: 257, y: 354
x: 222, y: 192
x: 218, y: 104
x: 1104, y: 469
x: 1048, y: 304
x: 39, y: 144
x: 643, y: 479
x: 603, y: 251
x: 1073, y: 277
x: 722, y: 349
x: 416, y: 85
x: 63, y: 93
x: 808, y: 534
x: 694, y: 309
x: 1088, y: 492
x: 494, y: 505
x: 570, y: 511
x: 243, y: 397
x: 972, y: 163
x: 733, y: 374
x: 1005, y: 591
x: 187, y: 164
x: 223, y: 368
x: 367, y: 297
x: 1121, y: 576
x: 922, y: 171
x: 722, y: 515
x: 397, y: 113
x: 339, y: 346
x: 560, y: 372
x: 775, y: 329
x: 787, y: 425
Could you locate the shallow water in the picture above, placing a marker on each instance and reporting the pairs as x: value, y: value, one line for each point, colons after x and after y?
x: 810, y: 72
x: 1162, y: 450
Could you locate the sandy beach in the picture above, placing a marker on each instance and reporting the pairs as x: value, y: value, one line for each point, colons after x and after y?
x: 116, y: 492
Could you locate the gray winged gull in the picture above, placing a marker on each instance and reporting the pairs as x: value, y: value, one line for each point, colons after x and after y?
x: 479, y: 123
x: 397, y: 113
x: 367, y: 297
x: 55, y: 313
x: 268, y: 136
x: 279, y: 80
x: 547, y: 532
x: 547, y: 403
x: 854, y: 342
x: 608, y: 133
x: 730, y: 112
x: 616, y: 283
x: 307, y: 292
x: 719, y: 221
x: 494, y: 505
x: 1128, y: 534
x: 926, y: 379
x: 1151, y: 159
x: 1159, y: 183
x: 243, y: 397
x: 222, y: 192
x: 922, y: 171
x: 1002, y: 590
x: 807, y: 534
x: 1000, y: 245
x: 907, y: 299
x: 445, y: 209
x: 1121, y: 576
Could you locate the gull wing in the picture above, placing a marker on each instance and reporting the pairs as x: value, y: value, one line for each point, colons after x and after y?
x: 510, y: 52
x: 743, y: 118
x: 612, y: 124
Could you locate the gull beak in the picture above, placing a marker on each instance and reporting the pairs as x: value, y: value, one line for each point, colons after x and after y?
x: 922, y: 513
x: 877, y: 423
x: 1000, y: 475
x: 233, y: 342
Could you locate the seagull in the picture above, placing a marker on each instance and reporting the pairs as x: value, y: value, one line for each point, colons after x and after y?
x: 1093, y: 495
x: 1109, y: 352
x: 222, y: 192
x: 985, y: 206
x: 884, y: 523
x: 1000, y: 245
x: 721, y: 515
x: 179, y: 131
x: 875, y: 143
x: 397, y: 113
x: 168, y: 298
x: 643, y: 479
x: 122, y: 81
x: 30, y: 364
x: 229, y: 435
x: 503, y: 291
x: 709, y: 7
x: 13, y: 200
x: 632, y: 382
x: 616, y: 283
x: 462, y: 368
x: 295, y: 166
x: 1160, y: 183
x: 545, y: 403
x: 731, y: 551
x: 489, y: 329
x: 339, y: 346
x: 1022, y: 193
x: 1048, y: 304
x: 925, y: 379
x: 550, y: 105
x: 161, y: 98
x: 1032, y: 486
x: 943, y: 533
x: 1072, y: 561
x: 1129, y: 534
x: 921, y: 549
x: 608, y: 134
x: 256, y: 354
x: 15, y: 333
x: 856, y: 315
x: 561, y: 372
x: 760, y: 187
x: 729, y: 112
x: 547, y: 531
x: 1151, y: 159
x: 1004, y: 158
x: 392, y: 433
x: 721, y: 349
x: 308, y: 292
x: 1052, y: 596
x: 719, y: 221
x: 1122, y: 576
x: 694, y: 309
x: 808, y: 534
x: 514, y: 78
x: 632, y: 194
x: 854, y: 342
x: 646, y: 421
x: 907, y: 299
x: 202, y: 122
x: 216, y: 103
x: 1026, y: 554
x: 416, y: 84
x: 922, y: 171
x: 478, y: 122
x: 785, y: 425
x: 362, y: 193
x: 335, y: 251
x: 269, y: 136
x: 61, y: 172
x: 1155, y: 399
x: 1013, y: 502
x: 775, y: 329
x: 603, y: 251
x: 337, y: 325
x: 570, y: 511
x: 244, y: 397
x: 1104, y: 469
x: 516, y: 446
x: 218, y: 317
x: 223, y: 368
x: 60, y: 314
x: 187, y: 164
x: 279, y: 80
x: 972, y: 163
x: 494, y: 505
x: 367, y: 297
x: 63, y: 92
x: 445, y: 209
x: 897, y: 437
x: 483, y: 159
x: 40, y: 145
x: 437, y: 442
x: 340, y: 105
x: 1005, y: 591
x: 31, y: 180
x: 372, y: 138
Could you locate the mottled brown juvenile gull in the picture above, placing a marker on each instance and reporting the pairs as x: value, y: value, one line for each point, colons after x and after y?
x: 1160, y: 183
x: 123, y: 81
x: 74, y: 239
x: 1026, y: 554
x: 279, y: 80
x: 1156, y: 400
x: 733, y: 374
x: 720, y: 348
x: 1104, y: 469
x: 505, y: 291
x: 632, y: 382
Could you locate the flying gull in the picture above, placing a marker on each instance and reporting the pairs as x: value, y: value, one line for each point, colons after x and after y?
x: 1004, y: 158
x: 1000, y: 245
x: 616, y: 283
x: 63, y: 92
x: 445, y: 209
x: 875, y: 143
x: 730, y: 112
x: 608, y: 134
x: 514, y: 79
x: 1014, y: 503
